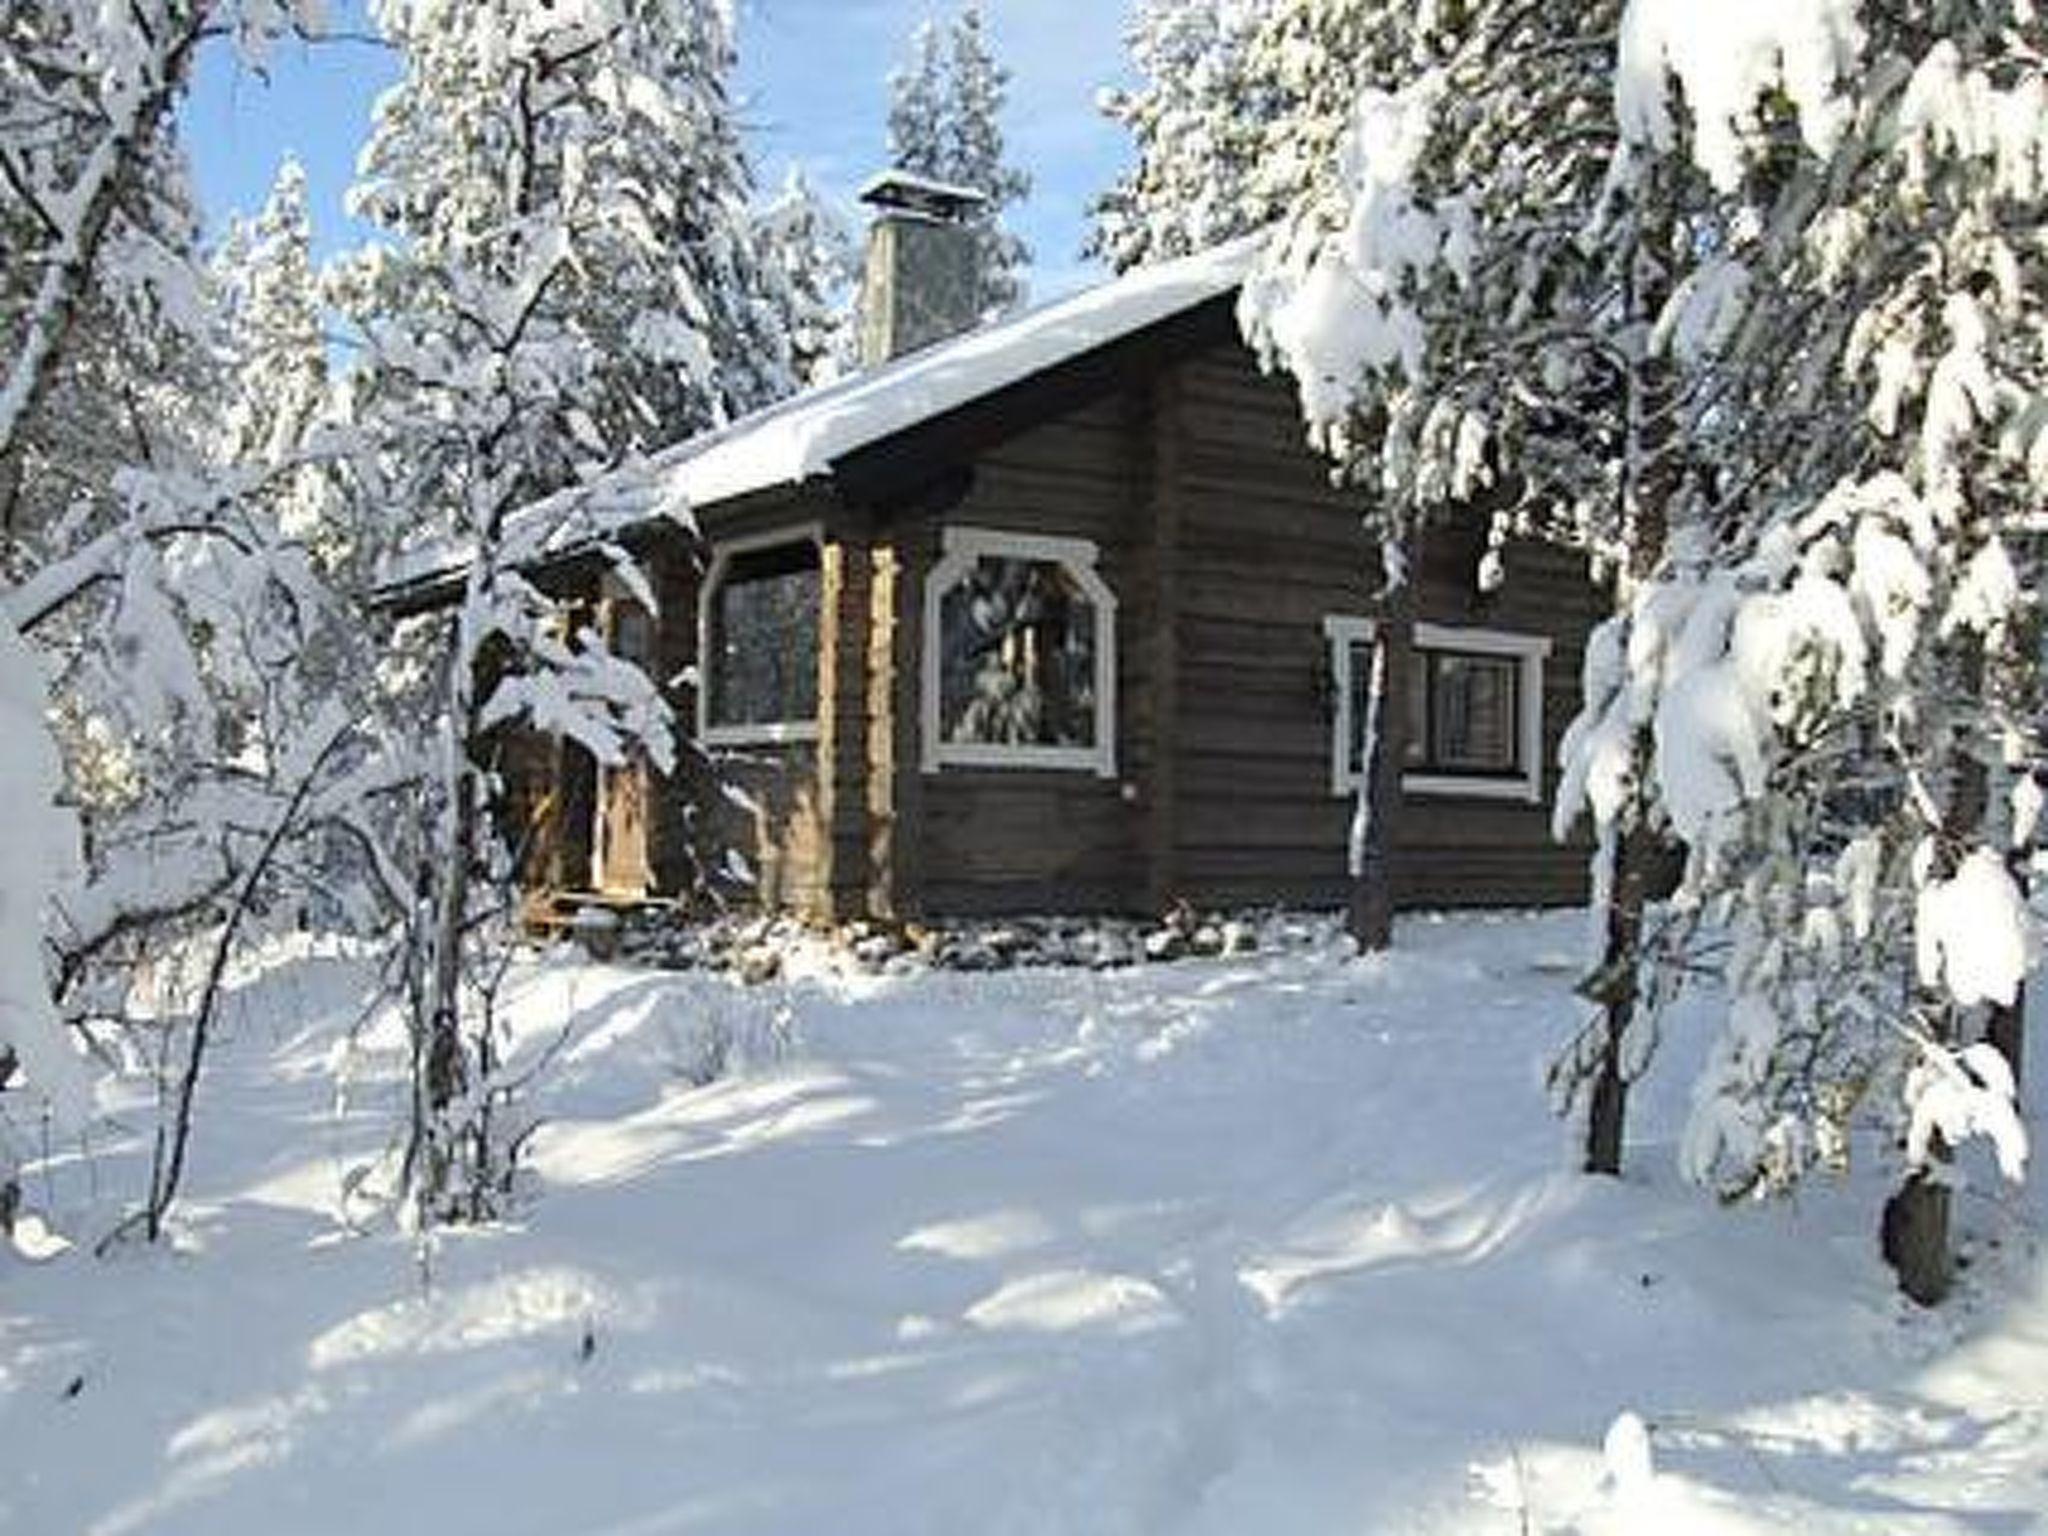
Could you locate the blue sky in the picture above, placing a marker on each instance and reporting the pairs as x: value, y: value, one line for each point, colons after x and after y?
x: 812, y: 88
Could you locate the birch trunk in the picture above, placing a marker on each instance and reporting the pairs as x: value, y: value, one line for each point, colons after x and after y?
x: 1383, y: 747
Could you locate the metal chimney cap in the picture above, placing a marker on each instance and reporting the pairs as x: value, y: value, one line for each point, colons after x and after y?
x: 900, y: 191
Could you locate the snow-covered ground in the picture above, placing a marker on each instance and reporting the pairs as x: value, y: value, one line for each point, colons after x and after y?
x: 1279, y: 1243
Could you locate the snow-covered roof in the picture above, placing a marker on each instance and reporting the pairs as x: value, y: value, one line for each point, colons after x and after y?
x: 803, y: 437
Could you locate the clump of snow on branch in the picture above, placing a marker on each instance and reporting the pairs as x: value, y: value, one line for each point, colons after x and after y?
x: 1703, y: 313
x: 1726, y: 62
x: 1338, y: 306
x: 1972, y: 931
x: 1197, y: 119
x: 1961, y: 1094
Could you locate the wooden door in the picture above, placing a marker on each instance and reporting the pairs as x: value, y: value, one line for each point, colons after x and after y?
x: 620, y: 847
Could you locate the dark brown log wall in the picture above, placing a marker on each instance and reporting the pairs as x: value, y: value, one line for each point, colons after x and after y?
x: 1011, y: 840
x: 1267, y: 548
x: 1458, y: 852
x: 1227, y: 546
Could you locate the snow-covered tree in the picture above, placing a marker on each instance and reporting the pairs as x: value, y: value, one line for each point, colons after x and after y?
x: 1844, y: 695
x: 275, y: 347
x: 1747, y: 309
x: 99, y: 303
x: 626, y: 129
x: 977, y: 159
x: 918, y: 100
x: 33, y: 1043
x: 152, y: 594
x: 945, y: 122
x: 523, y: 330
x: 809, y: 245
x: 282, y: 413
x: 1197, y: 121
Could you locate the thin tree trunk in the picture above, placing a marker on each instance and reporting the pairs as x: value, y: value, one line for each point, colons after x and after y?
x: 1649, y: 484
x: 443, y: 1074
x: 1384, y: 745
x: 1913, y: 1234
x: 1619, y: 995
x: 167, y: 1165
x: 2006, y: 1030
x: 439, y: 1074
x: 1638, y: 857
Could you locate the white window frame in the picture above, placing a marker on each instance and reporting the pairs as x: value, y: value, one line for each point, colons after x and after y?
x: 1344, y: 633
x: 962, y: 547
x: 764, y: 733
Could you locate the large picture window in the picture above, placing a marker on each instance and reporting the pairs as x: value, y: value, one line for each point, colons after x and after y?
x: 759, y: 666
x: 1475, y: 710
x: 1020, y: 655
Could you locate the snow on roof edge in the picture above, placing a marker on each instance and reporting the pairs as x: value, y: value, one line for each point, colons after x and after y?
x: 804, y: 436
x: 911, y: 180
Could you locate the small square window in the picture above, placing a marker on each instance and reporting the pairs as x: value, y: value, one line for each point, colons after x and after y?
x: 1474, y: 700
x: 1464, y: 713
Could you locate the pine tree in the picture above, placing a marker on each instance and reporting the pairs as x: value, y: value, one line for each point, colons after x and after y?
x: 919, y: 93
x: 1197, y: 123
x: 945, y: 122
x: 975, y: 157
x: 807, y: 244
x: 1744, y: 311
x: 275, y: 351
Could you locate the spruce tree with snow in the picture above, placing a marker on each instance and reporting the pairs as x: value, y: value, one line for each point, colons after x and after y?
x: 1197, y: 122
x: 281, y: 411
x: 629, y: 133
x: 945, y: 123
x: 809, y: 245
x: 275, y: 350
x: 1845, y: 695
x: 976, y: 155
x: 919, y: 94
x: 274, y: 344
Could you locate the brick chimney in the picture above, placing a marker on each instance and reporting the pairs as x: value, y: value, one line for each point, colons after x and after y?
x: 921, y: 281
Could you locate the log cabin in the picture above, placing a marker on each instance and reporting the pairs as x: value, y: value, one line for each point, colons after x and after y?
x: 1058, y: 615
